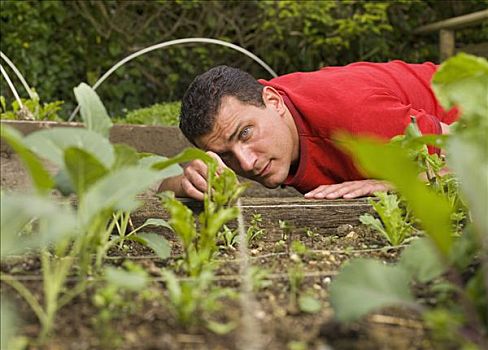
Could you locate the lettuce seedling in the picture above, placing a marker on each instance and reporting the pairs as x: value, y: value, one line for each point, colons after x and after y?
x: 394, y: 224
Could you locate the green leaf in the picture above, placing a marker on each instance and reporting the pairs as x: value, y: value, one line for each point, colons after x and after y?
x: 390, y: 162
x: 51, y: 143
x: 64, y: 183
x: 55, y: 222
x: 422, y: 260
x: 309, y: 304
x: 156, y: 242
x: 124, y: 156
x: 465, y: 155
x: 8, y: 323
x: 365, y: 285
x: 131, y: 280
x: 463, y: 81
x: 83, y: 168
x: 221, y: 328
x: 93, y: 112
x: 116, y: 191
x: 41, y: 178
x: 156, y: 222
x: 375, y: 223
x: 151, y: 161
x: 186, y: 155
x: 173, y: 286
x: 182, y: 220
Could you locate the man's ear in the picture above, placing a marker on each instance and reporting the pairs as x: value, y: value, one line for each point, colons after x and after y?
x: 272, y: 97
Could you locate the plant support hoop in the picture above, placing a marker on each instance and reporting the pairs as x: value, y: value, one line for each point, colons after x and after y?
x: 171, y: 43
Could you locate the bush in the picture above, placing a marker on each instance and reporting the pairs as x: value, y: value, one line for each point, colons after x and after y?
x: 158, y: 114
x: 58, y: 44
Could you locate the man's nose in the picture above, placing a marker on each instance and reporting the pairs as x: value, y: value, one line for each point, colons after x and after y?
x: 246, y: 159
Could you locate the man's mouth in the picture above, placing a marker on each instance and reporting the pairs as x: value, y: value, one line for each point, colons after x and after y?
x: 265, y: 171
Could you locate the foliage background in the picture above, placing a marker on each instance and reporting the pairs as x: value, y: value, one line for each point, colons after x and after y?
x: 58, y: 44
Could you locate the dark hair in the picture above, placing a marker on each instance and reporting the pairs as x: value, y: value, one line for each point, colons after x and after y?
x: 203, y: 98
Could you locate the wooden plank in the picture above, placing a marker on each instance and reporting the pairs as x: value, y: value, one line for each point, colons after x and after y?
x: 324, y: 215
x: 454, y: 23
x: 446, y: 44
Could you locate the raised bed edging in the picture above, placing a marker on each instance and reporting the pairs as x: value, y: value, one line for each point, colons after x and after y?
x: 299, y: 213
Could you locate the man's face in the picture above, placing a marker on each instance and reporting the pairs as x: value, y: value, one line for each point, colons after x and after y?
x: 259, y: 143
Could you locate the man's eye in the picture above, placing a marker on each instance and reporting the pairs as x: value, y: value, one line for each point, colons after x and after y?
x: 245, y: 133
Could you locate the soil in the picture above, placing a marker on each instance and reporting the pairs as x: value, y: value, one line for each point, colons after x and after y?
x: 150, y: 323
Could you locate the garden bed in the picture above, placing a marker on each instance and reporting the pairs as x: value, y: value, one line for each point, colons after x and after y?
x: 330, y: 236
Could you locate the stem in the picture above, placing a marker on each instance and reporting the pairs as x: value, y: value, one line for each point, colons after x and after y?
x: 27, y: 295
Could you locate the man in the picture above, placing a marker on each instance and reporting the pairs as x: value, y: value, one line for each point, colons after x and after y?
x: 280, y: 132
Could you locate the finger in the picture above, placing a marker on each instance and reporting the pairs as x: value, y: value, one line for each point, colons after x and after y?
x: 322, y: 189
x: 370, y: 189
x: 196, y: 178
x: 190, y: 190
x: 343, y: 189
x: 220, y: 163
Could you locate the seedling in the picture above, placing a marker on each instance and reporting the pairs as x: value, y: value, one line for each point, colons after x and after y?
x: 194, y: 300
x: 394, y: 224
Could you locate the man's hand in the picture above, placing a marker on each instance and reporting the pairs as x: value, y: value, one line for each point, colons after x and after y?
x: 349, y: 189
x: 193, y: 182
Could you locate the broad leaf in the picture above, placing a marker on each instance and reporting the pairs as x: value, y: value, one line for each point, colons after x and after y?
x: 8, y: 323
x: 83, y: 168
x: 309, y: 304
x: 93, y: 112
x: 463, y: 81
x: 171, y: 170
x: 41, y: 178
x: 55, y: 222
x: 156, y: 242
x: 422, y: 260
x: 116, y: 191
x: 469, y: 160
x: 186, y: 155
x: 51, y: 143
x: 124, y: 156
x: 156, y: 222
x: 132, y: 280
x: 367, y: 285
x: 390, y: 162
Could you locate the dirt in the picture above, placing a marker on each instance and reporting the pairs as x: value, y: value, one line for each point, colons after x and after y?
x: 149, y: 323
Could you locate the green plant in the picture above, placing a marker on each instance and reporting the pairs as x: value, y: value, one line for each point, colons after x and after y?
x: 35, y: 110
x: 158, y: 114
x: 394, y: 224
x: 195, y: 300
x: 453, y: 266
x: 102, y: 176
x: 200, y: 245
x: 122, y: 295
x: 300, y: 300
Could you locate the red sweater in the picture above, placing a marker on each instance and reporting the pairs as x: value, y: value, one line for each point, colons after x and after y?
x: 375, y: 99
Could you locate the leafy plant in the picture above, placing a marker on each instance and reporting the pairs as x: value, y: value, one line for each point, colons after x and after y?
x: 157, y: 114
x: 195, y: 300
x: 33, y: 110
x: 121, y: 296
x: 200, y: 245
x: 394, y: 224
x: 451, y: 264
x: 101, y: 175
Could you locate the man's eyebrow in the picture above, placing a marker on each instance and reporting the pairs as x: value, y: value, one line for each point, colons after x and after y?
x: 234, y: 134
